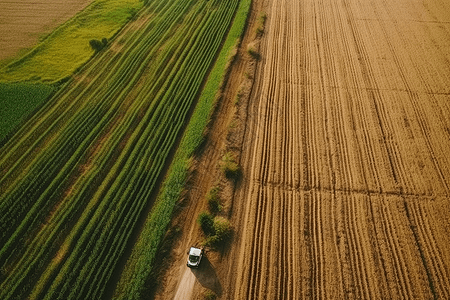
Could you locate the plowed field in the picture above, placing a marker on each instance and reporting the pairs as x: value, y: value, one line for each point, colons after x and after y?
x: 347, y: 194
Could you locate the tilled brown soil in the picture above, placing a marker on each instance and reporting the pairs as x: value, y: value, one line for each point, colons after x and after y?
x: 23, y: 22
x: 346, y: 166
x: 348, y: 193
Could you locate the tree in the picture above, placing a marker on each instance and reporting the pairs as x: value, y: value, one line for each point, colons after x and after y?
x: 96, y: 45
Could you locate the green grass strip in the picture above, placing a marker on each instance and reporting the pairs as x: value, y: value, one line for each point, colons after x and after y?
x: 139, y: 266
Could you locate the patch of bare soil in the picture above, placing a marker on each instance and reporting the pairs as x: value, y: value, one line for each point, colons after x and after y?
x: 23, y: 22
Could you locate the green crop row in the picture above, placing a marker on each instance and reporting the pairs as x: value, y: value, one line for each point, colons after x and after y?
x: 140, y: 265
x: 75, y: 179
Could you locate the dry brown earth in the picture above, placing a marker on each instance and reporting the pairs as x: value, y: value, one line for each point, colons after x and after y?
x: 346, y: 167
x: 23, y: 22
x: 348, y: 195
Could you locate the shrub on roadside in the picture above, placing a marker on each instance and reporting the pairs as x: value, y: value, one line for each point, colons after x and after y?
x: 209, y: 295
x: 261, y: 24
x: 222, y: 232
x: 206, y: 221
x: 214, y: 200
x: 229, y: 166
x: 253, y: 53
x: 222, y: 228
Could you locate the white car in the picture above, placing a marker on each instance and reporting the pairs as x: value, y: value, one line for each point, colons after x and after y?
x: 194, y: 257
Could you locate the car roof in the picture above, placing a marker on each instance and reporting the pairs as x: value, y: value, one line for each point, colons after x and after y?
x: 195, y: 251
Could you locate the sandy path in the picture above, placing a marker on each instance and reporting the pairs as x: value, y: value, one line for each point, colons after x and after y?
x: 186, y: 287
x: 348, y: 193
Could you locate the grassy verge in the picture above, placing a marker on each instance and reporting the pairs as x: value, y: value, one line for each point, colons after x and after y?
x: 17, y: 101
x: 139, y: 266
x: 67, y: 48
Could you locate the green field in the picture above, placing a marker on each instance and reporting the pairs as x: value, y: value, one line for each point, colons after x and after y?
x: 76, y: 177
x: 17, y: 101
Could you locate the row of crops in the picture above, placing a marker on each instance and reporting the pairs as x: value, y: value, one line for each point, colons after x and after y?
x: 137, y: 274
x: 76, y: 178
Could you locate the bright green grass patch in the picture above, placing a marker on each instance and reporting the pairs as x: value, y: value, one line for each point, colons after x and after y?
x: 67, y: 48
x: 17, y: 101
x: 139, y: 266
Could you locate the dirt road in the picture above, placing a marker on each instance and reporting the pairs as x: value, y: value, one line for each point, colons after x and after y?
x: 348, y: 190
x: 186, y: 287
x: 346, y: 166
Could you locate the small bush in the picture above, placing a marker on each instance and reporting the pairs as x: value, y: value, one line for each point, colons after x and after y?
x: 259, y: 31
x: 239, y: 96
x: 229, y: 166
x: 222, y: 232
x: 261, y: 24
x: 214, y: 200
x: 209, y: 295
x: 223, y: 229
x: 211, y: 241
x: 253, y: 53
x: 263, y: 18
x: 206, y: 221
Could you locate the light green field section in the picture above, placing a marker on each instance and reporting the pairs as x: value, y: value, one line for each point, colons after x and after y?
x: 67, y: 48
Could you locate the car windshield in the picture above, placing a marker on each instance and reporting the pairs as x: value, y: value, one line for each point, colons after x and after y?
x: 193, y: 258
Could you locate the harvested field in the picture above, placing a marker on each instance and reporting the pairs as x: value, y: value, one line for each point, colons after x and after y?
x: 347, y: 189
x: 23, y: 23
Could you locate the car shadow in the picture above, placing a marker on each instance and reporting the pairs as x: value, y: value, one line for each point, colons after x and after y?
x: 207, y: 276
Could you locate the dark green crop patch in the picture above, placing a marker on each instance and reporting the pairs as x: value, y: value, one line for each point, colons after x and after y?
x: 17, y: 101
